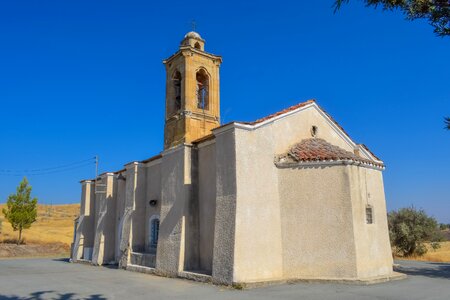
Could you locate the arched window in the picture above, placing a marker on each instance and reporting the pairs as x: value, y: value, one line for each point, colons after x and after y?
x: 177, y: 89
x: 154, y: 231
x: 202, y: 89
x: 197, y: 46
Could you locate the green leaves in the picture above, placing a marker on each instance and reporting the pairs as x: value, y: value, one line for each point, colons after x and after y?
x: 410, y: 228
x: 436, y: 11
x: 21, y: 209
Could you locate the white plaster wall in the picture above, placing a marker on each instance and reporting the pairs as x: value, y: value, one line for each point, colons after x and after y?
x: 224, y: 230
x: 259, y: 253
x: 105, y: 229
x: 302, y: 227
x: 99, y: 220
x: 258, y: 228
x: 153, y: 193
x: 131, y: 174
x: 89, y: 227
x: 139, y: 213
x: 191, y: 210
x: 175, y: 194
x: 120, y: 210
x: 207, y: 205
x: 85, y: 231
x: 110, y: 229
x: 373, y: 247
x: 292, y: 129
x: 317, y: 223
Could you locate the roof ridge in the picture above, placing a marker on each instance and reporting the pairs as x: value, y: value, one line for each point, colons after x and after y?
x: 281, y: 112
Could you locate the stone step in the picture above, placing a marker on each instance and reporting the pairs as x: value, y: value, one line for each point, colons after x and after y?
x: 143, y: 259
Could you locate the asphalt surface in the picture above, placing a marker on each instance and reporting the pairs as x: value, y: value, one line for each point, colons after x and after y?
x: 58, y: 279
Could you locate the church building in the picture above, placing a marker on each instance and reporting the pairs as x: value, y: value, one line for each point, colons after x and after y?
x: 287, y: 197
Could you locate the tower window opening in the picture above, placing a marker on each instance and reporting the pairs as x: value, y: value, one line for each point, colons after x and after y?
x: 197, y: 46
x: 177, y: 90
x: 202, y: 90
x: 369, y: 214
x: 314, y: 131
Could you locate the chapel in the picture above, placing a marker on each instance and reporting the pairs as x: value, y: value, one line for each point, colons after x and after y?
x: 285, y: 197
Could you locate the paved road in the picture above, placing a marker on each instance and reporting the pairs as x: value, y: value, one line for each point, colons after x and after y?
x: 56, y: 279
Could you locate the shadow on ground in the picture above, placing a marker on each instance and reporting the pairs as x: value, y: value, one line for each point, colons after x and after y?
x: 433, y: 270
x: 67, y: 260
x: 42, y: 295
x: 62, y: 259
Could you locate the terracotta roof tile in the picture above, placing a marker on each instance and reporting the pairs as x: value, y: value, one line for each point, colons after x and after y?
x: 315, y: 149
x: 204, y: 139
x: 294, y: 107
x: 368, y: 150
x: 151, y: 159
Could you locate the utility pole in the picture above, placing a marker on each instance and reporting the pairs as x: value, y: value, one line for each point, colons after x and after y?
x: 96, y: 167
x: 100, y: 188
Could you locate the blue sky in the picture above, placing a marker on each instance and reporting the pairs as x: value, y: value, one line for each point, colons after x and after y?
x: 84, y: 78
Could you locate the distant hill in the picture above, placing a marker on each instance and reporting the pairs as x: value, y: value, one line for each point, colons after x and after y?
x: 53, y: 228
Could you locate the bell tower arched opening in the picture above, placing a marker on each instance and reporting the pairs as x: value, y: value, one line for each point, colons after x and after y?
x: 202, y: 80
x: 176, y: 80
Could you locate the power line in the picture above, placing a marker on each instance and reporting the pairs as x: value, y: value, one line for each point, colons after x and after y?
x: 50, y: 170
x: 46, y: 169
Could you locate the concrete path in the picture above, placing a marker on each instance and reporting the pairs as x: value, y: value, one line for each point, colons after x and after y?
x: 58, y: 279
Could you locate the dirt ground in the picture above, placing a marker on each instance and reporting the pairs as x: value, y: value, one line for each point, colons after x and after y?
x: 33, y: 250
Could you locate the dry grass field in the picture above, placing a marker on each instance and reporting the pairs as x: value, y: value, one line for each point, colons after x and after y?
x: 52, y: 232
x: 440, y: 255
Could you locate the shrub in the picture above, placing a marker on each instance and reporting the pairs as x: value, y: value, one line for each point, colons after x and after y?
x: 410, y: 228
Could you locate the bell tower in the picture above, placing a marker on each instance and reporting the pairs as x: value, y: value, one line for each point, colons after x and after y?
x: 192, y: 92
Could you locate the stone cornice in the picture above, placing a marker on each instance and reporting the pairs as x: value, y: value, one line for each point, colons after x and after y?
x: 188, y: 50
x: 193, y: 114
x: 326, y: 163
x: 175, y: 149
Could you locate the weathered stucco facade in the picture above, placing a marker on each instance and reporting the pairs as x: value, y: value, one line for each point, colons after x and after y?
x: 290, y: 196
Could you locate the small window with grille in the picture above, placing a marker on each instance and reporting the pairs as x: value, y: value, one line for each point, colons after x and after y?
x: 369, y: 215
x: 154, y: 232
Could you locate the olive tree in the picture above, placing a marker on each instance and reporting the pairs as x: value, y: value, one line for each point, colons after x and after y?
x: 410, y: 228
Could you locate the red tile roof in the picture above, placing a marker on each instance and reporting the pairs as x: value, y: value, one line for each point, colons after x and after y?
x: 368, y: 150
x: 204, y: 139
x: 289, y: 109
x: 151, y: 159
x: 282, y: 112
x: 315, y: 149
